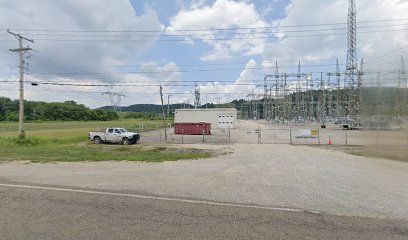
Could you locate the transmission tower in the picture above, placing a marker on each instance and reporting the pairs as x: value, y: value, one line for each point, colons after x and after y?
x: 196, y: 96
x: 351, y: 83
x: 115, y: 99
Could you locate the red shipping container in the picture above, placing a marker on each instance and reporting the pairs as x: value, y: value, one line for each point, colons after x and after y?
x: 193, y: 128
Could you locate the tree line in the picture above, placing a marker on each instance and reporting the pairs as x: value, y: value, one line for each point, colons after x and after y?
x: 56, y: 111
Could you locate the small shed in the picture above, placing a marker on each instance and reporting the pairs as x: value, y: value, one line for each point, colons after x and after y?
x: 218, y: 117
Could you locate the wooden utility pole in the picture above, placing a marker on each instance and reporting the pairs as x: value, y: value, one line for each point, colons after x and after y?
x: 21, y: 52
x: 168, y: 108
x: 164, y: 115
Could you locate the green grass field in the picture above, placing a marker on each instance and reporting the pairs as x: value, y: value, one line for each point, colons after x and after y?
x: 68, y: 141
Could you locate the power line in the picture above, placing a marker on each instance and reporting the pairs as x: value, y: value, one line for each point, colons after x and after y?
x: 143, y: 65
x: 159, y: 71
x: 144, y: 72
x: 137, y: 34
x: 128, y: 39
x: 172, y: 83
x: 212, y: 29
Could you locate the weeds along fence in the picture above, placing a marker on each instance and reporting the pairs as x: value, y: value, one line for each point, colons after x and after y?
x: 289, y: 135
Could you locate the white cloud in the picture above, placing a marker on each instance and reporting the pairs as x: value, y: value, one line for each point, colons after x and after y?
x: 243, y: 84
x: 167, y: 73
x: 138, y: 87
x: 92, y: 52
x: 369, y: 45
x: 221, y: 15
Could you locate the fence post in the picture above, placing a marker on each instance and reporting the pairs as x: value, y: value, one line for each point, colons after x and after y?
x: 290, y: 134
x: 318, y: 136
x: 182, y: 136
x: 259, y: 134
x: 229, y: 135
x: 142, y: 127
x: 345, y: 136
x: 203, y: 135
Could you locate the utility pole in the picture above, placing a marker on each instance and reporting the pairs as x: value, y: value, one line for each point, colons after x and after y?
x: 267, y: 113
x: 168, y: 108
x: 307, y: 104
x: 322, y: 101
x: 339, y: 102
x: 264, y: 115
x: 299, y: 112
x: 254, y: 109
x: 311, y: 98
x: 21, y: 52
x: 285, y: 99
x: 276, y: 108
x: 359, y: 91
x: 164, y: 115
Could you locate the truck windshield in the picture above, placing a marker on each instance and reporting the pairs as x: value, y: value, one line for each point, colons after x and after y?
x: 123, y: 130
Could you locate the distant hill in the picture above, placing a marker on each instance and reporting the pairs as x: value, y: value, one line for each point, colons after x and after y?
x: 148, y: 108
x: 154, y: 108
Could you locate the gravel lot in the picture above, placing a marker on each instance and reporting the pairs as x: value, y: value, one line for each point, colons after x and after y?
x: 269, y: 175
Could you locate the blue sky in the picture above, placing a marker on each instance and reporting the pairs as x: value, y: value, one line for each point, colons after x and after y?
x: 99, y: 42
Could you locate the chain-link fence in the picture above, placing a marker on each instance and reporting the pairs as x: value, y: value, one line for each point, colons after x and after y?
x: 262, y: 135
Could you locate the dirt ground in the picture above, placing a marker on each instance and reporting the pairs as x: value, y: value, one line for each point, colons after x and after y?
x: 381, y: 143
x: 248, y: 131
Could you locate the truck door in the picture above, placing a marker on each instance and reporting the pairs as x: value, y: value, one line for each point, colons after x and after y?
x: 118, y: 135
x: 110, y: 135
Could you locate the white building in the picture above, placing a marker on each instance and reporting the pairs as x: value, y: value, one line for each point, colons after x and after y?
x: 218, y: 117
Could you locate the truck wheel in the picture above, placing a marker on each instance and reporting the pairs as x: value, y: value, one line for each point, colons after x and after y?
x: 97, y: 140
x: 125, y: 141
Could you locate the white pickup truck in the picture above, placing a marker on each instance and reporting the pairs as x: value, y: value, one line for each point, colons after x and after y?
x: 114, y: 135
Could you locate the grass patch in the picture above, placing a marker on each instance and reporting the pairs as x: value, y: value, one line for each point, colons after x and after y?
x: 62, y: 132
x: 93, y: 125
x: 68, y: 142
x: 18, y: 141
x: 90, y: 152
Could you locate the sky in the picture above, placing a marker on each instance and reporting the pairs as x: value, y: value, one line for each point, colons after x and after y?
x: 102, y: 49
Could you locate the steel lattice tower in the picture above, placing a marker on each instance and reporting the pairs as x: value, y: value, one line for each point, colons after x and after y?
x: 351, y: 83
x: 115, y: 99
x: 196, y: 96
